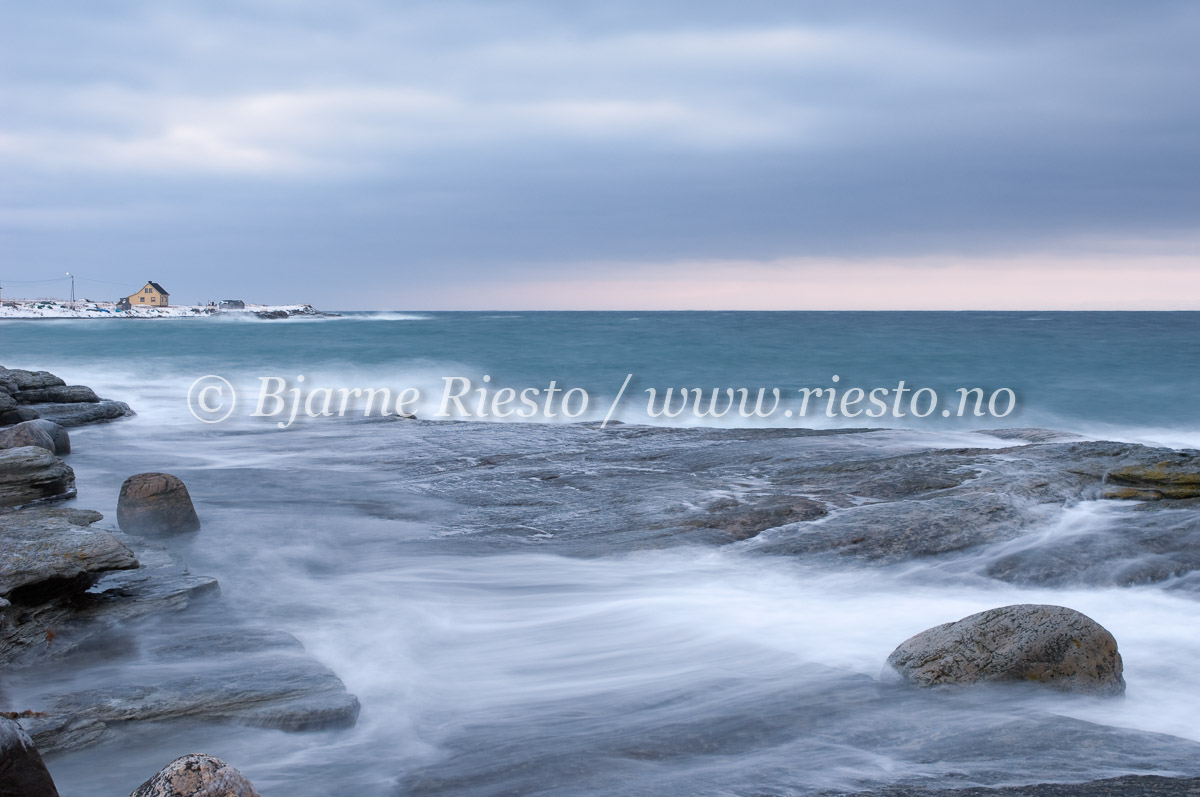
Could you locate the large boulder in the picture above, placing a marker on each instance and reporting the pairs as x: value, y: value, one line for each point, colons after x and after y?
x: 22, y: 773
x: 62, y: 440
x: 155, y: 502
x: 1051, y: 645
x: 7, y: 402
x: 27, y: 433
x: 59, y: 394
x: 31, y: 473
x: 197, y: 775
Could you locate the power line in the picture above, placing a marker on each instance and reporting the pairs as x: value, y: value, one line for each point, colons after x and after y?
x: 103, y: 282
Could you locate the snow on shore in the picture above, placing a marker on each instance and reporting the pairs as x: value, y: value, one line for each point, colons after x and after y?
x: 49, y: 308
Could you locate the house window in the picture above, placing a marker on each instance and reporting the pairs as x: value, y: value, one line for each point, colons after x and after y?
x: 141, y: 298
x: 147, y: 290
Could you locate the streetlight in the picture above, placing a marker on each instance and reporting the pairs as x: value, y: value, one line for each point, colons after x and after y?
x: 72, y: 276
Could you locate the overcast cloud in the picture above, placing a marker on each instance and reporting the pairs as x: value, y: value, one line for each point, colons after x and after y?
x: 523, y: 154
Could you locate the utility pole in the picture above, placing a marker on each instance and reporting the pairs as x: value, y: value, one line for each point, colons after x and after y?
x: 72, y: 276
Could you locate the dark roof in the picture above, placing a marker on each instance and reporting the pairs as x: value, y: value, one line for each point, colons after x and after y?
x: 159, y: 288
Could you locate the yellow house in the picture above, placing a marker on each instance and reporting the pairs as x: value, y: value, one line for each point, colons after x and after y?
x: 153, y: 294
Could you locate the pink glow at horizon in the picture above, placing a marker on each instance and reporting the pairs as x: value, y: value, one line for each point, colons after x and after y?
x: 1158, y: 282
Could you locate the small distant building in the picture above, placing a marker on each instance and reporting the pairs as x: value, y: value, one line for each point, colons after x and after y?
x: 151, y: 294
x: 124, y: 304
x: 231, y: 304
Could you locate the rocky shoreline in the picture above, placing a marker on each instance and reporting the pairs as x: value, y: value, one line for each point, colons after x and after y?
x: 848, y: 502
x: 838, y: 499
x: 71, y: 584
x: 53, y: 309
x: 74, y: 588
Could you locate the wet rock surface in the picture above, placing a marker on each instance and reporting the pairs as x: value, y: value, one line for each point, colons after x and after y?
x: 31, y: 473
x: 17, y: 415
x: 877, y: 500
x: 46, y: 625
x: 1052, y: 646
x: 28, y: 433
x: 868, y: 724
x: 841, y: 498
x: 1127, y: 786
x: 844, y: 499
x: 82, y: 413
x: 44, y: 547
x: 27, y: 395
x: 152, y: 503
x: 243, y: 674
x: 59, y: 394
x: 1176, y: 477
x: 58, y: 435
x: 203, y: 663
x: 743, y: 521
x: 76, y: 593
x: 197, y: 775
x: 159, y: 662
x: 14, y: 380
x: 1128, y: 545
x: 22, y: 772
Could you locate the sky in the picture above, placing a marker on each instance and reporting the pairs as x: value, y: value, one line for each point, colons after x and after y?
x: 364, y: 154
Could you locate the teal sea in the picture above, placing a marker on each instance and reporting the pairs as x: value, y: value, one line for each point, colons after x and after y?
x: 1119, y: 375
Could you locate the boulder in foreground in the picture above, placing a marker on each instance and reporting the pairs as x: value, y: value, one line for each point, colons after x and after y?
x: 28, y: 433
x: 155, y: 503
x: 31, y: 473
x: 1050, y: 645
x: 62, y: 440
x: 197, y: 775
x: 22, y: 773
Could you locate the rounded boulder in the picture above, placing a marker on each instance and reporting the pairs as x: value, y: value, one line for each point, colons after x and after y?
x: 27, y: 433
x: 155, y: 503
x: 197, y: 775
x: 62, y: 440
x: 1050, y: 645
x: 22, y: 773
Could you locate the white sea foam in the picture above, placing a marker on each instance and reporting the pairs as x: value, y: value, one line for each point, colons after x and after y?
x: 521, y: 654
x: 436, y: 646
x: 386, y: 316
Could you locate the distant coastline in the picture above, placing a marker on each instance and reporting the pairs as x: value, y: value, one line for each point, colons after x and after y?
x: 57, y: 309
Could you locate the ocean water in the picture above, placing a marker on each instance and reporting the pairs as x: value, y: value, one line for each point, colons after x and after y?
x: 537, y: 658
x: 1117, y: 375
